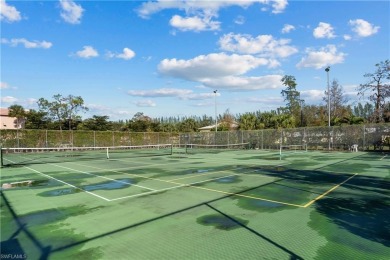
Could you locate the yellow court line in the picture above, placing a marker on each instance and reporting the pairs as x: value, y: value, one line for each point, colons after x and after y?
x: 246, y: 196
x: 227, y: 171
x: 327, y: 192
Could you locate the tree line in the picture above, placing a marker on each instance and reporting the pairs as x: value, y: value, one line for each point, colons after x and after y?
x: 63, y: 112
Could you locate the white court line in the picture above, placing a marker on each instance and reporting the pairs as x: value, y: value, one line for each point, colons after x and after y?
x: 170, y: 188
x: 103, y: 177
x: 50, y: 177
x: 383, y: 157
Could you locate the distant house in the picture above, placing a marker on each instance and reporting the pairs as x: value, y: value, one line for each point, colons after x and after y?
x: 7, y: 122
x: 233, y: 126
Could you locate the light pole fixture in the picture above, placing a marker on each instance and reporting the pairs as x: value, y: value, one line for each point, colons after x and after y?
x: 215, y: 103
x: 327, y: 75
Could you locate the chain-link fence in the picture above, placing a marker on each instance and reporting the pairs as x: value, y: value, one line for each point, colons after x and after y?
x: 367, y: 137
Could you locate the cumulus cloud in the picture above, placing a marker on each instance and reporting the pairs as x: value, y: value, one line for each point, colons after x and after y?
x: 321, y: 58
x: 222, y: 71
x: 278, y: 5
x: 145, y: 103
x: 324, y: 30
x: 9, y: 13
x: 213, y: 65
x: 87, y: 52
x: 288, y: 28
x: 71, y: 12
x: 194, y: 23
x: 363, y: 28
x: 127, y: 54
x: 27, y: 44
x: 264, y: 45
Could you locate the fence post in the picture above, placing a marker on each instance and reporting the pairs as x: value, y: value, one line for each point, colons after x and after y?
x: 364, y: 137
x: 262, y: 139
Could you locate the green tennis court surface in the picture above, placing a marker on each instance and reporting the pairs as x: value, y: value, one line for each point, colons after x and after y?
x: 247, y: 204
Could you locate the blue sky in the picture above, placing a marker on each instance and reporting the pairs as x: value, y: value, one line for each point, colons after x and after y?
x: 165, y: 58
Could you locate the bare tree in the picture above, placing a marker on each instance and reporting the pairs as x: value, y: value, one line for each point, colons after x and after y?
x: 338, y: 100
x: 378, y: 87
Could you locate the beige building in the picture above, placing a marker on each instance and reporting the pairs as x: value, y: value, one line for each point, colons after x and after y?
x: 7, y: 122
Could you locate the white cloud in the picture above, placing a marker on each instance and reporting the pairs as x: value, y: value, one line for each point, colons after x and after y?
x: 145, y: 103
x: 199, y: 14
x: 235, y: 83
x: 194, y: 23
x: 71, y: 12
x: 27, y: 44
x: 347, y: 37
x: 87, y: 52
x: 163, y: 92
x: 8, y: 99
x: 239, y: 20
x: 288, y: 28
x: 184, y: 94
x: 319, y: 59
x: 189, y: 6
x: 127, y: 54
x: 221, y: 71
x: 324, y: 30
x: 264, y: 45
x: 363, y: 28
x: 213, y: 65
x: 9, y: 13
x: 312, y: 95
x: 112, y: 112
x: 200, y: 96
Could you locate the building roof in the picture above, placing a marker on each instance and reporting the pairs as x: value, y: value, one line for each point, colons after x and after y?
x: 4, y: 111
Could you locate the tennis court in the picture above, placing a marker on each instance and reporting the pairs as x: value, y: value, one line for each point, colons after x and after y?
x: 189, y: 204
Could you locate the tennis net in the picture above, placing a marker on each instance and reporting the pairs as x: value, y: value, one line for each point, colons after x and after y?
x: 293, y: 148
x: 214, y: 148
x: 23, y: 156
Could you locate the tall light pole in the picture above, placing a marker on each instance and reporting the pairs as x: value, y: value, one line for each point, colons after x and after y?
x: 327, y: 74
x: 215, y: 103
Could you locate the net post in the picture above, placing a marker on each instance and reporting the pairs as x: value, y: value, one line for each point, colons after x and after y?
x: 108, y: 155
x: 1, y: 155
